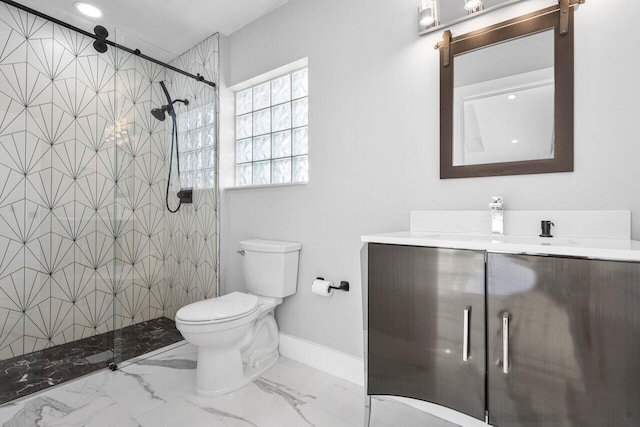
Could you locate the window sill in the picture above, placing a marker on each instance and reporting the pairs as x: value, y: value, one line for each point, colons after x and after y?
x: 249, y: 187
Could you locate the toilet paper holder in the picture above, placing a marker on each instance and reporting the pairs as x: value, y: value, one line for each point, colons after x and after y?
x: 344, y: 286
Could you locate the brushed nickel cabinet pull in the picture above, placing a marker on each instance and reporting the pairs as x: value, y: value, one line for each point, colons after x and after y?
x: 505, y: 343
x: 465, y: 335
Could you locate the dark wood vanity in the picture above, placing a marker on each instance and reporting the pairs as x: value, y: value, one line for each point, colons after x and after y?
x: 442, y: 321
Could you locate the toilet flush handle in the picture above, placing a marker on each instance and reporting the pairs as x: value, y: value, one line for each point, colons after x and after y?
x: 241, y: 252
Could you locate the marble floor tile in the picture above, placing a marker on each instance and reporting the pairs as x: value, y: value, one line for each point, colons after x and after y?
x: 156, y: 390
x: 166, y: 375
x: 387, y: 413
x: 81, y: 403
x: 267, y: 404
x: 342, y: 403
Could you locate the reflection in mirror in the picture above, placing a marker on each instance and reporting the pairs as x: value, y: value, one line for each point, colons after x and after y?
x: 503, y: 106
x: 506, y: 97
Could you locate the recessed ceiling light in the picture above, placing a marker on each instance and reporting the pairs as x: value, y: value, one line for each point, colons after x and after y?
x: 514, y: 141
x: 511, y: 97
x: 88, y: 9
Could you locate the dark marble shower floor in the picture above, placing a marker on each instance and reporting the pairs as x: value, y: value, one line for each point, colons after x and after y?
x: 26, y: 374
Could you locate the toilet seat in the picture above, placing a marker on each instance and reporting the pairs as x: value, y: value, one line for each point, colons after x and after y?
x: 226, y: 308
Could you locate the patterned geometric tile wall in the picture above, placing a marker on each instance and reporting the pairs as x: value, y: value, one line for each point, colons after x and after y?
x: 192, y: 265
x: 82, y: 179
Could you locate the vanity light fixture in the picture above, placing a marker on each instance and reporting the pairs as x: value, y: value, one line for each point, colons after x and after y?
x: 429, y: 13
x: 473, y: 5
x: 88, y: 9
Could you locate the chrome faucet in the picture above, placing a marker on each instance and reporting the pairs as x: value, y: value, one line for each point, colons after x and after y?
x: 497, y: 216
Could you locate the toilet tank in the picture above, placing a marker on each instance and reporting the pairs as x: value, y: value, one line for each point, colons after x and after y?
x: 270, y: 267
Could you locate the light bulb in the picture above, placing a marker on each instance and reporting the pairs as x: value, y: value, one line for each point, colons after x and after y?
x: 428, y: 13
x: 426, y: 17
x: 472, y: 4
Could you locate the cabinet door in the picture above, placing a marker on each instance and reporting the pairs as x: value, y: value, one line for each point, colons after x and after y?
x: 573, y: 342
x: 417, y: 299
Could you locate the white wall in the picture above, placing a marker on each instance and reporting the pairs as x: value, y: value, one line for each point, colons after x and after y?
x: 374, y: 138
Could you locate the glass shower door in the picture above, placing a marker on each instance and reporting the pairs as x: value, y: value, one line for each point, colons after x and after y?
x: 141, y: 297
x: 56, y: 204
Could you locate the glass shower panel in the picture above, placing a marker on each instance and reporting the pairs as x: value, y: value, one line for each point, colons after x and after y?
x: 56, y: 198
x: 191, y: 265
x: 140, y: 153
x: 92, y: 266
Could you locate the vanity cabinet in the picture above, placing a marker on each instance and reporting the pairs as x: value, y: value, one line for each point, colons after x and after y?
x: 573, y: 341
x: 442, y: 323
x: 425, y: 312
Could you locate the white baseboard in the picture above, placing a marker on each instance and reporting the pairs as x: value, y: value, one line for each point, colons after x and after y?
x: 351, y: 368
x: 336, y: 363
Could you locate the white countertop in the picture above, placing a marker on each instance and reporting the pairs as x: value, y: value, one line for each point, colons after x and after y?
x: 606, y: 249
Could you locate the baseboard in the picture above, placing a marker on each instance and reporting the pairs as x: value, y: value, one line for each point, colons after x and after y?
x: 334, y: 362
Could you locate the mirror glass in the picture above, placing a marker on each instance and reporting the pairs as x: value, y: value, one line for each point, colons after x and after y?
x: 503, y: 106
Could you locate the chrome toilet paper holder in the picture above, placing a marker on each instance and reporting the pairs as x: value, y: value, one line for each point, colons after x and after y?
x: 344, y: 286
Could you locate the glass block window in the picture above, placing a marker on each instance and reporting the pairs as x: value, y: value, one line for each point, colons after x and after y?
x: 196, y: 135
x: 272, y: 135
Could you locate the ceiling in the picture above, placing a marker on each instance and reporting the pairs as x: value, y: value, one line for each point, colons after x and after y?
x: 160, y: 28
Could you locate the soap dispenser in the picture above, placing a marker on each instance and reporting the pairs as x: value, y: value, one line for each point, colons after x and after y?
x: 546, y: 228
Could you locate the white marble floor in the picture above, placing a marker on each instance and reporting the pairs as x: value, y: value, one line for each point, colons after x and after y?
x: 156, y: 390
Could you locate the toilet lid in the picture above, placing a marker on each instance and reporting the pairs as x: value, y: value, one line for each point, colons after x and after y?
x: 227, y: 307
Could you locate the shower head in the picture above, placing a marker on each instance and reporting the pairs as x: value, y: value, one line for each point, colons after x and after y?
x: 158, y: 113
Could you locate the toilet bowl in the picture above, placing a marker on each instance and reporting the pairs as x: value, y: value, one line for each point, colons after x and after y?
x: 236, y: 334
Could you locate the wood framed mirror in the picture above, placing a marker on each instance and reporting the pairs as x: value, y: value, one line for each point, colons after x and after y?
x: 506, y: 97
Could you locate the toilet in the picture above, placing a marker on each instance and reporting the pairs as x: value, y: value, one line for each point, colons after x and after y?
x: 236, y: 334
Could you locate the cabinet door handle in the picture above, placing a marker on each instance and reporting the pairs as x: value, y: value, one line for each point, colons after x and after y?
x: 465, y: 335
x: 505, y: 343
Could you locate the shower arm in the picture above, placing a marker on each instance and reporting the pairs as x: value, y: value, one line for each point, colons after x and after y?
x: 169, y: 107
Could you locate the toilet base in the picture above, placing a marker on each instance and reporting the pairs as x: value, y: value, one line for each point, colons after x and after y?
x: 220, y: 372
x: 224, y: 389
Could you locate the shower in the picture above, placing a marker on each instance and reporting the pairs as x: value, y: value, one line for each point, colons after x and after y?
x: 98, y: 269
x: 160, y: 114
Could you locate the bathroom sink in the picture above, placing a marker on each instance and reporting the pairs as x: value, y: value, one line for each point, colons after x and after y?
x: 490, y: 238
x: 465, y: 237
x: 588, y: 234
